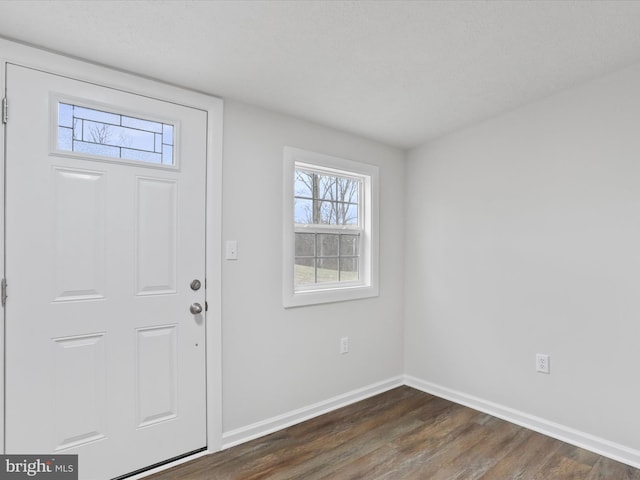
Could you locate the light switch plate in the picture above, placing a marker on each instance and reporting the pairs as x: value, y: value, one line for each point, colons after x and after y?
x: 232, y: 250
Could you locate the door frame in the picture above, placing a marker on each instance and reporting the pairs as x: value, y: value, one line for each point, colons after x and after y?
x: 27, y: 56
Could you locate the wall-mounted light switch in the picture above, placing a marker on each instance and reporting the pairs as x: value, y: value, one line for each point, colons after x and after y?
x: 344, y: 345
x: 232, y: 250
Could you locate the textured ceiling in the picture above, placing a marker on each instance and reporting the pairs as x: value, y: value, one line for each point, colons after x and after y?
x: 401, y: 72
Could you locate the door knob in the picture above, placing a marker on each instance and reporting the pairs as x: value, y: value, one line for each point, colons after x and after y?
x: 195, y: 308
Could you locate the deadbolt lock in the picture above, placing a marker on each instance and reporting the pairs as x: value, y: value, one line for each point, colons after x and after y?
x: 195, y: 285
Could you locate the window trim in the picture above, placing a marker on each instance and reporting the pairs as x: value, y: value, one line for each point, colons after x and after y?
x: 367, y: 286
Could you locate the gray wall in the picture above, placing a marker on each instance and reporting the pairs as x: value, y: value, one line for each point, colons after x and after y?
x: 523, y: 236
x: 276, y: 360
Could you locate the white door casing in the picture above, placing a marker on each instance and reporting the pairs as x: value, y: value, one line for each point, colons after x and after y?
x: 103, y: 356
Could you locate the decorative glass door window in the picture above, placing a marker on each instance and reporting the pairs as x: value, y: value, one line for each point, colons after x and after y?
x: 105, y: 134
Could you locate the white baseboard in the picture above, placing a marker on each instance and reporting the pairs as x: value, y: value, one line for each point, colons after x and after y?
x: 270, y: 425
x: 563, y: 433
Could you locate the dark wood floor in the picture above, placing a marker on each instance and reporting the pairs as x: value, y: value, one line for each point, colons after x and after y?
x: 403, y: 434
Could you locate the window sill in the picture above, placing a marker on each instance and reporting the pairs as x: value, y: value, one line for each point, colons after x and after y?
x: 329, y: 295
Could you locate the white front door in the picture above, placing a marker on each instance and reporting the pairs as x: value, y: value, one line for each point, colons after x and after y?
x: 105, y: 233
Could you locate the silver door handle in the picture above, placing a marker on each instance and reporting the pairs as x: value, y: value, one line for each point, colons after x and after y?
x: 195, y: 308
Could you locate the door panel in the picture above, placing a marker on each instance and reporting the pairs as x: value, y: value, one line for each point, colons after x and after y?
x: 103, y: 357
x: 156, y: 230
x: 79, y: 248
x: 80, y: 406
x: 156, y: 395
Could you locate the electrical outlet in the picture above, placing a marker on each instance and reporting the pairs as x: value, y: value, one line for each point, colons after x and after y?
x: 542, y: 363
x: 344, y: 345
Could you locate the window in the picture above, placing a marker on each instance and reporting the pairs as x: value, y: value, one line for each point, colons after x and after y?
x: 100, y: 133
x: 327, y: 227
x: 330, y: 244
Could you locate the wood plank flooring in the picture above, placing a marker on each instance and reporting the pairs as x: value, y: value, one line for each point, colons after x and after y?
x: 403, y: 434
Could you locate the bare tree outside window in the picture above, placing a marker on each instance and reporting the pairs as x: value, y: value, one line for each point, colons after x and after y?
x: 326, y: 199
x: 100, y: 133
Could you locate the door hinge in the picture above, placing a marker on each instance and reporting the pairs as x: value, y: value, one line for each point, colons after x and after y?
x: 206, y: 306
x: 3, y: 285
x: 5, y: 110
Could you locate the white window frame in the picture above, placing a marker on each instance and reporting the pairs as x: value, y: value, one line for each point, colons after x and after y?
x: 367, y: 285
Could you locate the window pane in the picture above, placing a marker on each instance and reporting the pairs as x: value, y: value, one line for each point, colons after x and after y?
x: 345, y: 213
x: 167, y: 134
x: 65, y: 115
x: 97, y: 115
x: 167, y: 154
x: 305, y: 244
x: 347, y: 189
x: 305, y: 271
x: 349, y: 245
x: 326, y: 187
x: 328, y: 213
x: 113, y: 135
x: 106, y: 134
x: 327, y: 270
x: 96, y: 149
x: 335, y: 199
x: 303, y: 184
x: 348, y: 269
x: 65, y: 137
x: 141, y: 124
x: 136, y: 139
x: 337, y: 213
x: 350, y: 214
x: 303, y: 211
x: 328, y: 245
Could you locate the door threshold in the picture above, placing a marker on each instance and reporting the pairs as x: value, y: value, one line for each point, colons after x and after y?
x: 164, y: 465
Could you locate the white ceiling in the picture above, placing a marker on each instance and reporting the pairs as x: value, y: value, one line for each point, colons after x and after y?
x: 401, y: 72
